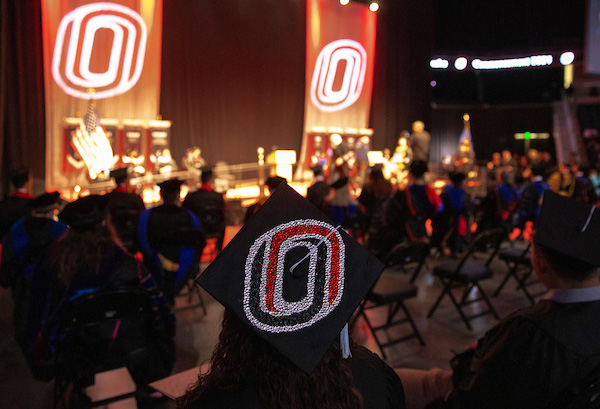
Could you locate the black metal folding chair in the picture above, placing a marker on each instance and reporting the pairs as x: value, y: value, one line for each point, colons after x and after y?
x: 409, y: 257
x: 467, y: 272
x: 389, y: 292
x: 519, y: 267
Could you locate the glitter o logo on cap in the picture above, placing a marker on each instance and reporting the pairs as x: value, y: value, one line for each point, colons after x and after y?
x: 322, y: 92
x: 77, y: 64
x: 267, y: 269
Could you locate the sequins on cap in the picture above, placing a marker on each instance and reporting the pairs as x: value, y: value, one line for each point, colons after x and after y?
x: 265, y: 272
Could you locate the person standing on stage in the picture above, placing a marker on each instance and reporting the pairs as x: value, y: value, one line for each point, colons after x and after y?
x: 171, y: 240
x: 419, y: 142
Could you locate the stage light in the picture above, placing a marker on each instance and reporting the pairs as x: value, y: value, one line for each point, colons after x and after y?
x: 522, y: 62
x: 374, y: 7
x: 460, y: 63
x: 433, y: 83
x: 344, y: 2
x: 567, y: 58
x: 439, y: 63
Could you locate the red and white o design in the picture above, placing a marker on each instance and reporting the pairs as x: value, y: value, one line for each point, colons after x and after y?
x: 265, y: 272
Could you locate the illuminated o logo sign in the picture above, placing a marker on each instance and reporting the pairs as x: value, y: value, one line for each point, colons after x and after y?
x: 267, y: 269
x: 75, y: 53
x: 322, y: 92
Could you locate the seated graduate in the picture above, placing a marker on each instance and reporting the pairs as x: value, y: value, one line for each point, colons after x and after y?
x: 22, y: 249
x: 536, y: 357
x: 85, y: 259
x: 290, y: 280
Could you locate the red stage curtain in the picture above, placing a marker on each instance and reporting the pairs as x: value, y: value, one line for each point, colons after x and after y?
x: 22, y: 123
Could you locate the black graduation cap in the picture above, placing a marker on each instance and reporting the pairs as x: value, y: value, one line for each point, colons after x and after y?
x: 119, y: 174
x: 85, y: 213
x: 171, y: 185
x: 44, y: 202
x: 293, y: 276
x: 340, y: 183
x: 570, y: 227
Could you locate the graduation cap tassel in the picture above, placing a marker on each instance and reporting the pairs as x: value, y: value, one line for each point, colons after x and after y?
x: 345, y: 342
x: 588, y: 219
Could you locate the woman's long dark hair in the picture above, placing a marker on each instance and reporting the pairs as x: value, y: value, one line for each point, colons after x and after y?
x: 243, y: 358
x: 76, y: 249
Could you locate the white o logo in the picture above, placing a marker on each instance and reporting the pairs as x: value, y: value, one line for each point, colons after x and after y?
x: 322, y: 92
x: 267, y: 270
x: 74, y: 51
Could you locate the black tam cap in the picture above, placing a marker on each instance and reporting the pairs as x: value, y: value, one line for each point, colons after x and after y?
x: 570, y: 227
x: 293, y: 276
x: 85, y: 213
x: 171, y: 185
x: 44, y: 203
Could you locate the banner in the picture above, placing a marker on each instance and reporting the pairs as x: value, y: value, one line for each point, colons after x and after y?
x: 109, y: 52
x: 340, y: 50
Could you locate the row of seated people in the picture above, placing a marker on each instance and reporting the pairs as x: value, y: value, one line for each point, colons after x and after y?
x: 248, y: 370
x: 539, y: 357
x: 48, y: 264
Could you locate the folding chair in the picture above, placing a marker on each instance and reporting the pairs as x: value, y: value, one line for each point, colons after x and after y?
x: 390, y: 291
x: 467, y: 272
x: 408, y: 254
x: 100, y: 331
x: 519, y: 267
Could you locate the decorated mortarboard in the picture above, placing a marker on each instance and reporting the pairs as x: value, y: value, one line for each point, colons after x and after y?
x: 293, y: 276
x: 171, y: 185
x: 85, y: 213
x: 570, y: 227
x: 46, y: 201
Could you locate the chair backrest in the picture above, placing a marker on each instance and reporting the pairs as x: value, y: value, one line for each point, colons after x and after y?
x: 487, y: 242
x: 103, y: 330
x: 408, y: 252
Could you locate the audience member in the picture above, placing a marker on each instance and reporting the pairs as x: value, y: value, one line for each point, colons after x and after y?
x: 171, y: 240
x: 272, y: 183
x: 452, y: 226
x: 276, y: 353
x: 319, y: 192
x: 15, y: 206
x: 375, y: 193
x: 87, y: 259
x: 536, y: 357
x: 208, y: 206
x: 125, y: 208
x: 22, y: 249
x: 408, y: 210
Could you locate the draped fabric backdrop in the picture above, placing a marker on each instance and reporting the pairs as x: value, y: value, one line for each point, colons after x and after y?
x: 119, y: 48
x: 233, y: 77
x: 340, y: 54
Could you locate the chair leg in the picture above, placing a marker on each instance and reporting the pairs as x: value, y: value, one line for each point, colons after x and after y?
x: 364, y: 314
x: 511, y: 273
x: 460, y: 311
x: 447, y: 286
x: 487, y: 301
x: 412, y: 323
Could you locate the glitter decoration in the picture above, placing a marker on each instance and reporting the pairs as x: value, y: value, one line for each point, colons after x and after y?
x: 265, y: 273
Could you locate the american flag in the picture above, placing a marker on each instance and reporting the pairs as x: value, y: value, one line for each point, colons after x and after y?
x: 91, y: 118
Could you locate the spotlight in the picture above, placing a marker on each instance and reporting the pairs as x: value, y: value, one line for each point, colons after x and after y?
x: 433, y: 83
x: 460, y: 63
x: 344, y: 2
x: 374, y: 7
x: 567, y: 58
